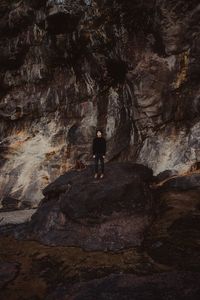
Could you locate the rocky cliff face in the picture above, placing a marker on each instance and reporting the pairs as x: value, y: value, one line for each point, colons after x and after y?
x: 67, y: 67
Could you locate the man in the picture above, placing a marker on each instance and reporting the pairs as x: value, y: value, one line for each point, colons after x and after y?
x: 99, y: 151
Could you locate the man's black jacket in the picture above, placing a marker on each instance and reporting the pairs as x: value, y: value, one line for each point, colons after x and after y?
x: 99, y: 145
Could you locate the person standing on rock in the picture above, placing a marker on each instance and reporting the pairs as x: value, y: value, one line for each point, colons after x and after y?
x: 99, y: 151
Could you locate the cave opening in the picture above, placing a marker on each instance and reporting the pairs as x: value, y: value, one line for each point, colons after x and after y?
x: 117, y: 70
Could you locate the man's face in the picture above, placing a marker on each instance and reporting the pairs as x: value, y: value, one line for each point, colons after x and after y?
x: 99, y: 133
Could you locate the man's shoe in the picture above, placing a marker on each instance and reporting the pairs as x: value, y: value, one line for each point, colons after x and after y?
x: 102, y: 175
x: 96, y: 175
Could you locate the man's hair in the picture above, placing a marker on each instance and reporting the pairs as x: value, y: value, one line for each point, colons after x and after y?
x: 100, y: 131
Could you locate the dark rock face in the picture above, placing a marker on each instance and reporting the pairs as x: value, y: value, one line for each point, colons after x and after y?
x: 131, y: 68
x: 67, y: 67
x: 173, y: 239
x: 157, y: 287
x: 109, y: 214
x: 8, y: 271
x: 63, y: 16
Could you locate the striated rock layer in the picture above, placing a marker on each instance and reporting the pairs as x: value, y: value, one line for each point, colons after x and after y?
x: 67, y: 67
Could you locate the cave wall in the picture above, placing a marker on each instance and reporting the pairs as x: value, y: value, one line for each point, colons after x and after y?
x: 128, y: 67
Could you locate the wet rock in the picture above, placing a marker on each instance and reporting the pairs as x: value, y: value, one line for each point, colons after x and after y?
x: 108, y: 214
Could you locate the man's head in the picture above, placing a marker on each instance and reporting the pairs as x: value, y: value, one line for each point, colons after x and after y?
x: 99, y: 133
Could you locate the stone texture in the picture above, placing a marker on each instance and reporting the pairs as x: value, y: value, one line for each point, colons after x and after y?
x: 173, y: 238
x: 67, y: 67
x: 8, y: 272
x: 132, y: 69
x: 127, y: 236
x: 108, y: 214
x: 15, y: 217
x: 184, y: 182
x: 71, y: 273
x: 157, y: 287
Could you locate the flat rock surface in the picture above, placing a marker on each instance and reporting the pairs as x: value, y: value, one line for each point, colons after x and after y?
x: 16, y: 216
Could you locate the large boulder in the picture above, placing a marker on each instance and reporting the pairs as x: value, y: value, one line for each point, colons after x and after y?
x: 106, y: 214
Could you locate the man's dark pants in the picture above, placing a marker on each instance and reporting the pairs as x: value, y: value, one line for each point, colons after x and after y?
x: 99, y: 157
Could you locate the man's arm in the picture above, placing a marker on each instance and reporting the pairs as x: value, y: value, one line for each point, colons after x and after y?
x: 104, y: 147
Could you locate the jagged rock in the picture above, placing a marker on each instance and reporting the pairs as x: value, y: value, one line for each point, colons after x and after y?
x: 130, y: 68
x: 8, y: 218
x: 108, y: 214
x: 152, y: 232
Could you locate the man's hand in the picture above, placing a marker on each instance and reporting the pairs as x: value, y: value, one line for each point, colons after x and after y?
x: 93, y: 156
